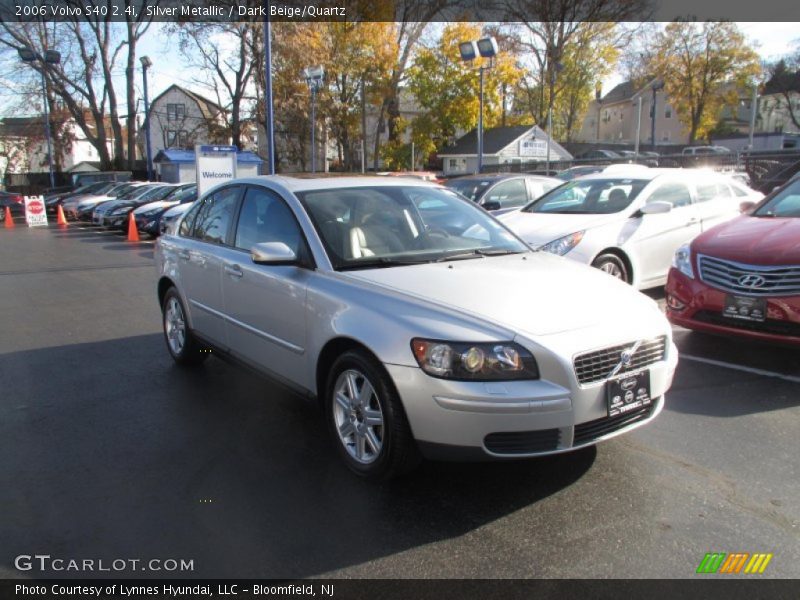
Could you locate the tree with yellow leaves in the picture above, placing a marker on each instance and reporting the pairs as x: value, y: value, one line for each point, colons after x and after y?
x: 703, y: 67
x: 446, y: 88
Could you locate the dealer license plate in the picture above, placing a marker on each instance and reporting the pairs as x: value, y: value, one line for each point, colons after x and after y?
x: 746, y: 309
x: 628, y: 392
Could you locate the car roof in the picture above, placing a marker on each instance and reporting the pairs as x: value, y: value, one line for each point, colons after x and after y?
x: 643, y: 173
x: 296, y: 184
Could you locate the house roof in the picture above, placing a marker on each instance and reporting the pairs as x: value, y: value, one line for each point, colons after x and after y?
x: 206, y: 106
x: 497, y: 139
x: 180, y: 156
x: 626, y: 90
x: 494, y: 140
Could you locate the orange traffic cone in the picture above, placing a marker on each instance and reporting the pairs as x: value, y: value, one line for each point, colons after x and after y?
x: 133, y: 233
x: 62, y: 220
x: 9, y: 218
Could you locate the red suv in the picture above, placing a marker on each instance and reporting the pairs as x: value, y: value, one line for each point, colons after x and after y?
x: 743, y: 276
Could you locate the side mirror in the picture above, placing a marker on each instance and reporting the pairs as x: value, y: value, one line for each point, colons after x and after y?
x: 491, y: 205
x: 746, y: 206
x: 273, y: 253
x: 658, y: 207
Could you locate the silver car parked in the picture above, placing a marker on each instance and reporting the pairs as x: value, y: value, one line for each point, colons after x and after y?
x: 423, y: 325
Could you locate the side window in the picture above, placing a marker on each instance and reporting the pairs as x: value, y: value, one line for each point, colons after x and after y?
x: 187, y: 224
x: 676, y: 194
x: 508, y: 193
x: 215, y: 215
x: 707, y: 191
x: 266, y: 218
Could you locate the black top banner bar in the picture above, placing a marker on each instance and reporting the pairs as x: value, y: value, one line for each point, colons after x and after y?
x: 399, y: 10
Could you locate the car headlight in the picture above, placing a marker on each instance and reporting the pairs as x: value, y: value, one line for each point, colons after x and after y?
x: 492, y: 361
x: 563, y: 244
x: 682, y: 260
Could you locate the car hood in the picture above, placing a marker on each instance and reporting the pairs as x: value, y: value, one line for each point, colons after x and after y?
x: 158, y: 204
x: 532, y: 294
x: 93, y: 200
x: 538, y: 229
x: 753, y: 240
x: 178, y: 210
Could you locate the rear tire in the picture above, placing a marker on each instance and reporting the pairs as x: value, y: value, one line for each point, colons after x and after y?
x: 612, y: 265
x: 366, y: 419
x: 181, y: 342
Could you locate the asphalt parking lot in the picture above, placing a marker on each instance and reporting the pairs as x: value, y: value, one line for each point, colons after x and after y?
x: 110, y: 452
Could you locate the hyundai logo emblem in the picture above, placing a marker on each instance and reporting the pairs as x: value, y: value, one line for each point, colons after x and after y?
x: 751, y: 281
x: 625, y: 358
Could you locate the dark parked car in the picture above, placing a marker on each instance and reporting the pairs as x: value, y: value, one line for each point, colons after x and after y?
x: 600, y: 154
x: 148, y: 217
x: 502, y: 192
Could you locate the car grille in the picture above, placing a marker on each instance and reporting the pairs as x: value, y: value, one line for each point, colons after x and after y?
x: 597, y: 365
x: 769, y: 326
x: 587, y: 432
x: 522, y: 442
x: 771, y: 281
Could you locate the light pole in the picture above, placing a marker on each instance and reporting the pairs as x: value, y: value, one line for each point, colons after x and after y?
x: 269, y: 124
x: 753, y: 111
x: 658, y: 85
x: 51, y: 57
x: 146, y: 64
x: 486, y: 48
x: 314, y: 77
x: 557, y: 68
x: 638, y: 126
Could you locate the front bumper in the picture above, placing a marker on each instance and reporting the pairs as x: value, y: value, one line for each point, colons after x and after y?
x: 703, y: 307
x: 514, y: 419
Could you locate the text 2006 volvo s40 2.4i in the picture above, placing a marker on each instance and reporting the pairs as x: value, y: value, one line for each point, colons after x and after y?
x: 423, y: 325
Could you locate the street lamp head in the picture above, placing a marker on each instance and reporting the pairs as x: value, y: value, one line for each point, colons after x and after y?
x: 52, y: 57
x: 146, y: 62
x: 314, y: 76
x: 26, y: 54
x: 487, y: 47
x: 468, y: 50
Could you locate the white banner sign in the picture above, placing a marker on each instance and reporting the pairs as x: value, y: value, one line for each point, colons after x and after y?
x: 35, y: 214
x: 532, y: 147
x: 214, y: 164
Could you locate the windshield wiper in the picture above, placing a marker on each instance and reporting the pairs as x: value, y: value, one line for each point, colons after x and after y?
x: 476, y: 253
x: 381, y: 261
x: 768, y: 213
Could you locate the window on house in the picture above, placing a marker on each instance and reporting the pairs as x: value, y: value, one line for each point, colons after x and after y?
x: 668, y: 113
x: 176, y: 111
x: 665, y: 136
x: 177, y: 138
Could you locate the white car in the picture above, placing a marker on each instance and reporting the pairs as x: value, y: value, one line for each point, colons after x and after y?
x: 629, y: 220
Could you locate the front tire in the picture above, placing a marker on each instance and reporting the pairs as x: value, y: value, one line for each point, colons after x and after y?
x: 366, y: 419
x: 612, y: 265
x: 181, y: 342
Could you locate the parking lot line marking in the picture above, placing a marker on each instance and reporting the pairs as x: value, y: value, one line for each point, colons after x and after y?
x: 753, y: 370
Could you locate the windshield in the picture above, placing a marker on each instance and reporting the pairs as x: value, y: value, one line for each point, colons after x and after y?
x: 472, y: 189
x: 385, y: 226
x: 157, y: 192
x: 785, y: 203
x: 588, y: 197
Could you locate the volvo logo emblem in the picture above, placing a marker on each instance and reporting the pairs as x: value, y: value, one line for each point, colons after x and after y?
x: 751, y: 281
x: 625, y: 358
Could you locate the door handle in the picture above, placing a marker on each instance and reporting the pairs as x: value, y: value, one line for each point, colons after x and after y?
x: 184, y: 254
x: 234, y: 270
x: 692, y: 221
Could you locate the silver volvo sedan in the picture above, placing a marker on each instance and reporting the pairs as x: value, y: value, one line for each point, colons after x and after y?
x: 422, y: 325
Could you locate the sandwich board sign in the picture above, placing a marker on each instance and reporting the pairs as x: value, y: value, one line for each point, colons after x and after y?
x: 35, y: 213
x: 214, y: 164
